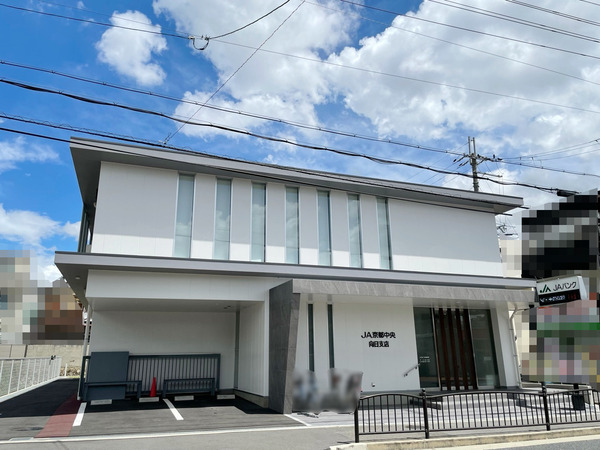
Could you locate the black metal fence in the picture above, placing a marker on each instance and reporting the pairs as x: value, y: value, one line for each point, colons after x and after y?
x: 162, y: 367
x: 468, y: 410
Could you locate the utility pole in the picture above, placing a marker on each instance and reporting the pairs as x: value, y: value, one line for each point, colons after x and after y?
x: 473, y: 158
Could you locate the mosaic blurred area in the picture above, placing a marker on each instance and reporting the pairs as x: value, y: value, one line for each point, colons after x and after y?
x: 32, y: 313
x: 564, y: 340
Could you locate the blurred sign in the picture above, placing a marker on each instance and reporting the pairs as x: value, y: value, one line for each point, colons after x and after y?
x: 561, y: 290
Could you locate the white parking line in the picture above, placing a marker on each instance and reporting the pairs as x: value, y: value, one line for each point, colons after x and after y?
x: 79, y: 416
x: 291, y: 416
x: 173, y: 409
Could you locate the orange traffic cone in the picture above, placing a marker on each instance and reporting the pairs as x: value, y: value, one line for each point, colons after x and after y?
x: 153, y: 388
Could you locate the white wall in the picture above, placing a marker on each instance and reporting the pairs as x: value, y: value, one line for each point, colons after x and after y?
x: 107, y: 284
x: 252, y: 376
x: 135, y: 210
x: 168, y: 333
x: 203, y: 222
x: 382, y: 366
x: 136, y: 215
x: 505, y: 348
x: 435, y: 239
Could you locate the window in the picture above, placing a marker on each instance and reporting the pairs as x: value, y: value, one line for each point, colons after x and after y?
x: 292, y: 226
x: 324, y: 229
x: 354, y: 230
x: 383, y: 225
x: 259, y: 197
x: 183, y: 222
x: 222, y: 219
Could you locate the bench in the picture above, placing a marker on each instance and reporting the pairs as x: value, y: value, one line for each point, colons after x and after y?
x: 124, y: 384
x: 188, y: 386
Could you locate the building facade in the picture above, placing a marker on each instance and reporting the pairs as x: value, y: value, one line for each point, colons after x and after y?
x: 283, y: 270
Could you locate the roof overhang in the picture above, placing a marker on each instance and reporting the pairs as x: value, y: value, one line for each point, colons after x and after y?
x: 88, y: 155
x: 309, y: 279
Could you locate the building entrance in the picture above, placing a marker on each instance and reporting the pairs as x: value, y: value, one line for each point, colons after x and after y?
x: 455, y: 348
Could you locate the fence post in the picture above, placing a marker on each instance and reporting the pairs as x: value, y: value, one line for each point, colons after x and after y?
x: 425, y: 419
x: 546, y: 410
x: 356, y: 435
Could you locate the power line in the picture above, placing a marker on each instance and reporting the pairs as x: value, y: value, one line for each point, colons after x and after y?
x: 231, y: 110
x: 169, y: 137
x: 104, y: 24
x: 253, y: 22
x: 246, y: 132
x: 557, y: 13
x: 495, y: 55
x: 483, y: 33
x: 496, y: 15
x: 167, y: 147
x: 418, y: 80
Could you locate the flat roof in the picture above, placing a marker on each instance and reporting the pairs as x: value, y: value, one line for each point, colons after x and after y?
x: 88, y: 154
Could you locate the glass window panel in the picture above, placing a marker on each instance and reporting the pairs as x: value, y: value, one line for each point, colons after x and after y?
x: 324, y: 228
x: 183, y: 222
x: 222, y: 219
x: 483, y: 348
x: 426, y: 352
x: 292, y: 226
x: 354, y: 230
x: 259, y: 193
x: 384, y: 233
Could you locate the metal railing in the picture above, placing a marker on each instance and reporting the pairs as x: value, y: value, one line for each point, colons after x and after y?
x: 164, y: 367
x: 469, y: 410
x: 17, y: 374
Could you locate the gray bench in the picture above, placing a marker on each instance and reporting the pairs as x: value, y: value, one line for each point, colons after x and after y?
x: 188, y: 386
x: 108, y: 384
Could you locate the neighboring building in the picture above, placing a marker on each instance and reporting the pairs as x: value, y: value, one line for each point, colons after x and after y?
x: 279, y: 269
x: 564, y: 340
x: 31, y: 313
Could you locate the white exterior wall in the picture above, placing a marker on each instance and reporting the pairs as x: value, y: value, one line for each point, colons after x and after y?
x: 275, y: 251
x: 340, y: 234
x: 203, y: 222
x: 135, y: 211
x: 383, y: 367
x: 428, y: 238
x: 241, y: 208
x: 142, y: 333
x: 504, y: 346
x: 309, y: 239
x: 253, y: 360
x: 370, y: 232
x: 302, y: 363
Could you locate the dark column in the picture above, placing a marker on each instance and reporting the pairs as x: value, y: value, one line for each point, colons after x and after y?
x: 283, y: 334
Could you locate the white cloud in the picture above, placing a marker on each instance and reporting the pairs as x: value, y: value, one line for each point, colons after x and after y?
x: 30, y: 229
x: 131, y: 52
x: 420, y: 100
x: 18, y: 150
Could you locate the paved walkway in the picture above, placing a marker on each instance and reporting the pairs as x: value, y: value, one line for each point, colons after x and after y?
x: 51, y: 417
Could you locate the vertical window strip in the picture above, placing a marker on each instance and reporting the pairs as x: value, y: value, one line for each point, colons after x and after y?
x: 354, y: 230
x: 183, y: 223
x: 311, y: 338
x: 259, y: 199
x: 383, y: 225
x: 324, y: 228
x: 222, y: 219
x: 330, y: 332
x: 292, y: 226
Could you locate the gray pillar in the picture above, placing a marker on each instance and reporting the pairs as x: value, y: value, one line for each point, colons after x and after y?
x: 283, y: 334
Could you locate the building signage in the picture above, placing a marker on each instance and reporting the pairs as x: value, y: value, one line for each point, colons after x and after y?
x: 561, y: 290
x: 382, y: 336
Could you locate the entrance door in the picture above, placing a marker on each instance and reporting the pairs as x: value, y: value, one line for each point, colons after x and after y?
x: 455, y: 348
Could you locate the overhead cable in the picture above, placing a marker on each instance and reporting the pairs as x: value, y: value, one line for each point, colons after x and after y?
x: 170, y: 136
x: 214, y: 107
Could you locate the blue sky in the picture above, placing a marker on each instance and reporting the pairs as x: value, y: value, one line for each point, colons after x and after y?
x: 425, y: 74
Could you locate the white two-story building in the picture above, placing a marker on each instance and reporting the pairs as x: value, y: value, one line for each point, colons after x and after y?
x: 280, y: 269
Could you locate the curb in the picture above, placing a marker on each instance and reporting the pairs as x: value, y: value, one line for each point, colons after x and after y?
x: 471, y: 440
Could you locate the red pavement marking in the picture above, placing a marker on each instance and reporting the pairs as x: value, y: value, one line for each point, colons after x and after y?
x: 61, y: 422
